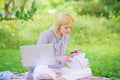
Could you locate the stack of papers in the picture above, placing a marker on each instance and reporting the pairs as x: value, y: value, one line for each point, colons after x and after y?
x: 78, y: 62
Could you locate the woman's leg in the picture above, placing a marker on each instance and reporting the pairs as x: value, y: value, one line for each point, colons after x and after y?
x: 77, y: 73
x: 30, y: 73
x: 43, y: 72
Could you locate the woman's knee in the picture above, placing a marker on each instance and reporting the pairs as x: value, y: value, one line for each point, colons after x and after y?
x: 38, y: 71
x: 43, y: 72
x: 88, y: 71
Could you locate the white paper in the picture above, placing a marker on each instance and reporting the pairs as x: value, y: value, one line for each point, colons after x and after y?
x: 78, y: 62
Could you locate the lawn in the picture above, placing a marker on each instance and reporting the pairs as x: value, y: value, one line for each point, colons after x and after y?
x: 104, y: 60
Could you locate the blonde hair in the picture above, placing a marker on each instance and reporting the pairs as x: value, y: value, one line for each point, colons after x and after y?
x: 63, y: 19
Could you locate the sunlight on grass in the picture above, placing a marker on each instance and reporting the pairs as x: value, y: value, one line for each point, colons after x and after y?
x: 11, y: 58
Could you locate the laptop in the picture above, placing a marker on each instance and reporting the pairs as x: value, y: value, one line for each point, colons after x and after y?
x: 33, y: 55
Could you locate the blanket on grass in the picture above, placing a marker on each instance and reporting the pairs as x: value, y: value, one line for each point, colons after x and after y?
x: 7, y: 75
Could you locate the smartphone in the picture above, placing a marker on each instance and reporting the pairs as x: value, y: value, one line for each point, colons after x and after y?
x: 75, y: 51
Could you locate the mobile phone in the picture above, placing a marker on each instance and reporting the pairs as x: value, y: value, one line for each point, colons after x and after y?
x: 75, y: 51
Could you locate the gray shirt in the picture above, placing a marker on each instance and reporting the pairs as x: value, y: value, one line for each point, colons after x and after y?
x: 59, y: 44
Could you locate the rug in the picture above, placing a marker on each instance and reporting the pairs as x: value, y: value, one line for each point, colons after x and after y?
x: 22, y: 76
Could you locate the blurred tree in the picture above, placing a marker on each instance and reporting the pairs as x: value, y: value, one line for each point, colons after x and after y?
x: 98, y: 7
x: 13, y: 11
x: 110, y: 6
x: 7, y: 6
x: 26, y: 14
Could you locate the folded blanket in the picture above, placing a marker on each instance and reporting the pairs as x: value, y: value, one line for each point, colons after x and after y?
x: 6, y: 75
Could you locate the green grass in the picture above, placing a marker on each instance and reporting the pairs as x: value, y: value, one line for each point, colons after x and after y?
x: 10, y: 60
x: 104, y: 60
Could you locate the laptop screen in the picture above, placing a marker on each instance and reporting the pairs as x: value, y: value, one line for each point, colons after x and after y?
x: 33, y: 55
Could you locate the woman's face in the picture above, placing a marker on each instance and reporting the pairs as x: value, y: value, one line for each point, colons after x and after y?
x: 65, y: 29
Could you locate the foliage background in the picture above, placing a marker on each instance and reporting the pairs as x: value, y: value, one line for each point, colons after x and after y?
x: 96, y: 31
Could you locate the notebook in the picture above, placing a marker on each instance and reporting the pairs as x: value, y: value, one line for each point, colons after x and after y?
x: 33, y: 55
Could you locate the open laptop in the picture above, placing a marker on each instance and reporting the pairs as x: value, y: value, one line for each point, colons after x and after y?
x: 34, y: 55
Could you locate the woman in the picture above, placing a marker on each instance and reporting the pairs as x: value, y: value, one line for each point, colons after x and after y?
x: 58, y: 36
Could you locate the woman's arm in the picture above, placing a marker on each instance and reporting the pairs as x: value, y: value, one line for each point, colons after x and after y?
x: 43, y: 38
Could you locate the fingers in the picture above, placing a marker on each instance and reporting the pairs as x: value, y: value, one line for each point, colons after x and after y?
x: 65, y: 59
x: 68, y: 59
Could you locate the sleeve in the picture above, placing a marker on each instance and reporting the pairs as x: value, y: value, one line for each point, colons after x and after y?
x: 42, y: 38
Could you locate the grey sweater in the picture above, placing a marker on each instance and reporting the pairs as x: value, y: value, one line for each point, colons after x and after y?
x: 59, y: 44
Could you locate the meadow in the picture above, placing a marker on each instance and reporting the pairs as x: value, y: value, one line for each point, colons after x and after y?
x: 98, y: 37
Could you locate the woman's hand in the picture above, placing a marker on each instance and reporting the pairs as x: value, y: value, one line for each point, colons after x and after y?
x: 74, y: 53
x: 65, y: 59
